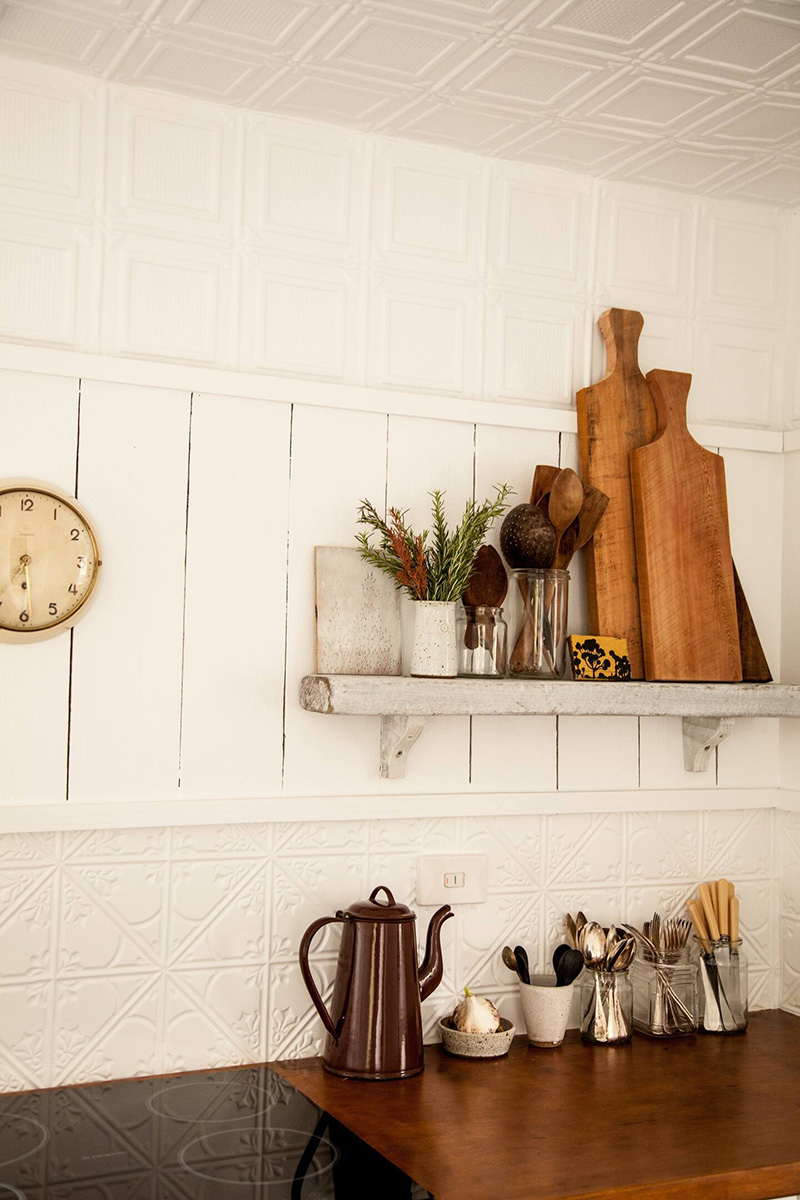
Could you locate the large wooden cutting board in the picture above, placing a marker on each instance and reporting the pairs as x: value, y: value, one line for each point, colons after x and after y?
x: 615, y: 416
x: 690, y: 629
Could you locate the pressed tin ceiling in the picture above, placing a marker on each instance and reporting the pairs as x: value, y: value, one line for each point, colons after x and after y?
x: 695, y: 94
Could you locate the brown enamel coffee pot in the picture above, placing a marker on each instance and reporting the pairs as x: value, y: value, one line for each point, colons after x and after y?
x: 375, y: 1020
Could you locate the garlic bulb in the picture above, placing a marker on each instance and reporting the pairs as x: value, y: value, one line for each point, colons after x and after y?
x: 476, y: 1015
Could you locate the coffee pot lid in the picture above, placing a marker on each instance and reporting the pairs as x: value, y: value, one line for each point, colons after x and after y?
x: 380, y: 910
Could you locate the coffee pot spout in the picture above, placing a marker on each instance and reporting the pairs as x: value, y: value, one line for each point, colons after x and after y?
x: 430, y: 971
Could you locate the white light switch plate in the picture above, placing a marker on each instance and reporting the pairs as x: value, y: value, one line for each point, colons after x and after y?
x: 451, y: 879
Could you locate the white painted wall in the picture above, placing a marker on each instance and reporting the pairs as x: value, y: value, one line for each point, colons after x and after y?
x: 406, y: 319
x: 344, y: 272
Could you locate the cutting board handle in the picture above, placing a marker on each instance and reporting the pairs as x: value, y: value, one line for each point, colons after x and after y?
x: 670, y: 392
x: 621, y: 329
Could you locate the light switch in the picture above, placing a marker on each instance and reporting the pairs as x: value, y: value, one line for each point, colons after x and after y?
x: 451, y: 879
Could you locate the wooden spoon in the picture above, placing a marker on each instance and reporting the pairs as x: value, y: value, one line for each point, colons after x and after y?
x: 488, y: 581
x: 543, y: 479
x: 582, y: 528
x: 487, y: 586
x: 566, y: 501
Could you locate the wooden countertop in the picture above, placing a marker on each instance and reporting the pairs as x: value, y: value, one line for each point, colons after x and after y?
x: 706, y: 1118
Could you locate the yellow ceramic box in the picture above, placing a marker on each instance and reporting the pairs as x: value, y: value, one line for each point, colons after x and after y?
x: 598, y: 657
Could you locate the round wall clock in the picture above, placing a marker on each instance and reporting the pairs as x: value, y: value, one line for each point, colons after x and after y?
x: 49, y: 560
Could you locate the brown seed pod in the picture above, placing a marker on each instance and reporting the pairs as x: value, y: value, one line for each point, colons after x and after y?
x: 527, y: 538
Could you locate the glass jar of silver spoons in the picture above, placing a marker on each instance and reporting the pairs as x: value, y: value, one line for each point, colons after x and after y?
x: 722, y: 965
x: 606, y: 996
x: 664, y: 980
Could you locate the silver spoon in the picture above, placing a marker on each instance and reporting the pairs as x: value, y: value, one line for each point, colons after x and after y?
x: 623, y: 956
x: 594, y: 953
x: 613, y: 938
x: 594, y: 944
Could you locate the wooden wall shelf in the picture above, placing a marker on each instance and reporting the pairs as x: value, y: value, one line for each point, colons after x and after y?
x: 402, y: 703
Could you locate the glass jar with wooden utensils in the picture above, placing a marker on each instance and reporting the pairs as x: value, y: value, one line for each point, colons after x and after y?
x: 540, y: 646
x: 721, y: 963
x: 481, y: 637
x: 664, y: 979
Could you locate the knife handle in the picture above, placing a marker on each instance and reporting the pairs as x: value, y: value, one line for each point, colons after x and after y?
x: 708, y: 908
x: 696, y: 913
x: 734, y: 918
x: 723, y: 906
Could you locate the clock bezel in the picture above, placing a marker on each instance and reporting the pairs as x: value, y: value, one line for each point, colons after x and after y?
x: 64, y: 623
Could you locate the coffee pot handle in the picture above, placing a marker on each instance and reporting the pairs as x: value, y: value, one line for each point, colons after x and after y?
x: 308, y: 978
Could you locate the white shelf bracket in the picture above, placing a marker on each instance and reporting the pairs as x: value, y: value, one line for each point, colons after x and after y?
x: 701, y: 736
x: 398, y: 735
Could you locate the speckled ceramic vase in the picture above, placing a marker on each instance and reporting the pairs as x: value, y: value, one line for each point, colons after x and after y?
x: 546, y: 1010
x: 434, y: 653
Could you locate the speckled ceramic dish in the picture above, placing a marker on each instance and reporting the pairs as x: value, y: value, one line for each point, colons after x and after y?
x: 476, y: 1045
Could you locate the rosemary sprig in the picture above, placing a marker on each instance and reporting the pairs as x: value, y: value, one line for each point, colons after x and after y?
x: 435, y: 571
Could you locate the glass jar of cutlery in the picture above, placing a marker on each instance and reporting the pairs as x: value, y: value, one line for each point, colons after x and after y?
x: 606, y: 1006
x: 722, y: 968
x: 664, y: 979
x: 665, y: 995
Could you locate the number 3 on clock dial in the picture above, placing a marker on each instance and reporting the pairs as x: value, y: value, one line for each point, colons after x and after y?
x: 48, y: 561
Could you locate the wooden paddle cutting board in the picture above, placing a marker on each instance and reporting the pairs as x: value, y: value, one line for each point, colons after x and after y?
x: 615, y: 416
x: 690, y: 628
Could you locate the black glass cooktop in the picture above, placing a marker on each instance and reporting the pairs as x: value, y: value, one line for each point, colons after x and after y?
x: 241, y: 1134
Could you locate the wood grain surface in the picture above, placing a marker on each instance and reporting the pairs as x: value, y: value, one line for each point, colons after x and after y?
x: 755, y: 668
x: 690, y: 629
x: 615, y: 416
x: 705, y: 1118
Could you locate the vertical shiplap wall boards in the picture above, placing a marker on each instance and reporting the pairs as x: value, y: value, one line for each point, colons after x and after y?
x: 379, y: 318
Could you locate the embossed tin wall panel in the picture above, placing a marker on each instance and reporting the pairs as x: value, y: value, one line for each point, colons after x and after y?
x: 136, y: 951
x: 172, y: 228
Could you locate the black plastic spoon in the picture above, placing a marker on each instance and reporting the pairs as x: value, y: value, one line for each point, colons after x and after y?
x: 557, y: 954
x: 569, y: 966
x: 523, y: 970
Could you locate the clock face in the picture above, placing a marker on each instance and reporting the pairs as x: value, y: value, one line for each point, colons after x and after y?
x: 48, y: 560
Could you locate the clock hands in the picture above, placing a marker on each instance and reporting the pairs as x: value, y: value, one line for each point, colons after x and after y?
x: 23, y: 566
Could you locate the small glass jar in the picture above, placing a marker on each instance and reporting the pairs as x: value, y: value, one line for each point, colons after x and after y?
x: 723, y: 989
x: 606, y: 1005
x: 482, y: 639
x: 540, y: 647
x: 665, y: 995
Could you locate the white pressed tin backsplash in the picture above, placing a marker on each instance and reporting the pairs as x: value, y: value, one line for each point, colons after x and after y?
x: 154, y: 226
x: 701, y: 96
x: 137, y: 951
